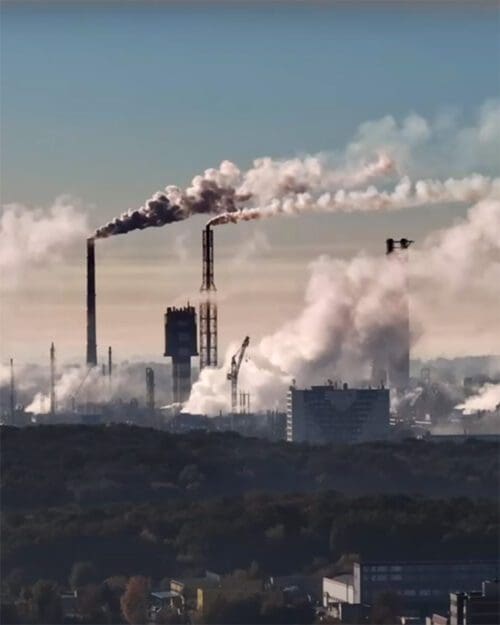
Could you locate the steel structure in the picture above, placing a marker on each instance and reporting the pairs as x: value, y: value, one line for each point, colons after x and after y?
x: 91, y: 322
x: 233, y: 373
x: 180, y: 345
x: 208, y: 305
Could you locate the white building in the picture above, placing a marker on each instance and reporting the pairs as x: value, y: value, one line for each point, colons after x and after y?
x: 340, y: 415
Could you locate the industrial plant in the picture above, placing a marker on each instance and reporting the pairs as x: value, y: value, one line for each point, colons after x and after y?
x: 390, y: 404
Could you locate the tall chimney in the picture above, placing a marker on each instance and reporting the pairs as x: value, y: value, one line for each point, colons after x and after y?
x: 12, y: 394
x: 398, y: 365
x: 110, y: 363
x: 150, y: 389
x: 208, y: 305
x: 52, y: 379
x: 91, y: 324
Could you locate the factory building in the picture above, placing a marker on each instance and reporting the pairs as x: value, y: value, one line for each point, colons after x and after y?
x: 479, y: 607
x: 180, y: 345
x: 421, y: 585
x: 337, y: 414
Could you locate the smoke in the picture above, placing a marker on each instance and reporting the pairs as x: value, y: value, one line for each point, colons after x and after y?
x: 355, y: 312
x: 227, y: 189
x: 34, y: 236
x: 82, y: 385
x: 209, y: 193
x: 487, y: 398
x: 405, y: 194
x: 324, y: 182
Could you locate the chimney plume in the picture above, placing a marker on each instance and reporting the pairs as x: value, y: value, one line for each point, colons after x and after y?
x: 91, y: 322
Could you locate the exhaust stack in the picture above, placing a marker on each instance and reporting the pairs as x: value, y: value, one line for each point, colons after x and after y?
x: 52, y: 379
x: 12, y: 394
x: 150, y: 389
x: 208, y: 307
x: 91, y: 322
x: 110, y: 363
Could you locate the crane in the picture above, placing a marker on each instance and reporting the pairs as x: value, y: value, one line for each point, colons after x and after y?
x: 232, y: 375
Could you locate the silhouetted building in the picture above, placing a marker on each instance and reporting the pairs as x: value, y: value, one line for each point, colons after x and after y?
x: 180, y: 345
x: 480, y: 607
x: 341, y: 415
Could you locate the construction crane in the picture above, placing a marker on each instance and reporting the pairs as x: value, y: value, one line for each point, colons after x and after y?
x: 232, y: 375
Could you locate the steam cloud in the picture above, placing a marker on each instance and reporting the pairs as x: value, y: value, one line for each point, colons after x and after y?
x: 354, y: 311
x: 35, y: 236
x: 405, y: 195
x: 488, y: 398
x: 227, y: 189
x: 89, y: 385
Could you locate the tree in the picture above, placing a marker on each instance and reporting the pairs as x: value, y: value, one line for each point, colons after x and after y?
x: 47, y: 602
x: 15, y: 581
x: 82, y: 573
x: 90, y: 602
x: 386, y: 608
x: 111, y: 592
x: 235, y: 611
x: 135, y: 601
x: 167, y: 616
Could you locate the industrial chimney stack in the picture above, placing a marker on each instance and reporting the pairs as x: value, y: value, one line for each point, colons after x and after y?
x: 208, y: 307
x: 150, y: 389
x: 52, y: 379
x: 12, y: 394
x: 110, y: 363
x: 398, y: 367
x: 91, y: 322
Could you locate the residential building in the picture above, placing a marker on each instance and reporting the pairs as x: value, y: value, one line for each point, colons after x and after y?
x: 337, y: 414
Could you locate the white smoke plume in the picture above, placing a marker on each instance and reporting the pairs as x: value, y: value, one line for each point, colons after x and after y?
x: 355, y: 310
x: 411, y: 149
x: 487, y: 398
x: 405, y: 195
x: 81, y: 385
x: 227, y: 189
x: 37, y: 235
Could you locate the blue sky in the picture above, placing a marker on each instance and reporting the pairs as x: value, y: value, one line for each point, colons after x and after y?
x: 112, y: 101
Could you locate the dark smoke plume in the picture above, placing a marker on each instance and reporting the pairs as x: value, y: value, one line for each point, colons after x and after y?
x: 205, y: 197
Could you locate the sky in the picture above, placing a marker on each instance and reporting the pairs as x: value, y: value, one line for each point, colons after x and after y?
x: 109, y: 102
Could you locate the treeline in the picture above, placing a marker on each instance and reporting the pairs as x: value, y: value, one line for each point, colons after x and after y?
x: 59, y: 465
x: 284, y: 534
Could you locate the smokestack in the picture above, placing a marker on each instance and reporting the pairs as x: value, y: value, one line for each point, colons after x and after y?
x: 398, y: 367
x: 91, y: 322
x: 208, y: 307
x: 52, y: 379
x: 110, y: 363
x: 12, y: 394
x: 150, y: 389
